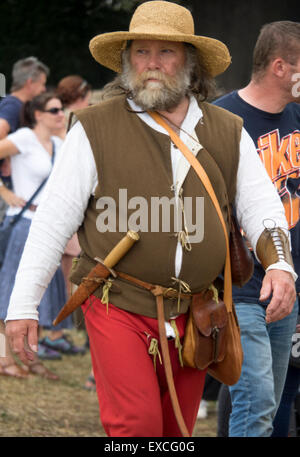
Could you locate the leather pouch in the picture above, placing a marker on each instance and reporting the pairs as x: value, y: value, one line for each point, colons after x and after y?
x: 242, y: 265
x: 205, y: 333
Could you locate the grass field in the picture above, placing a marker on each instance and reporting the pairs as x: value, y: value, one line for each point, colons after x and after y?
x: 37, y: 407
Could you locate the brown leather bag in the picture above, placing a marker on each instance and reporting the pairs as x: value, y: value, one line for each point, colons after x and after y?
x: 205, y: 332
x: 241, y: 260
x: 229, y: 369
x: 213, y: 341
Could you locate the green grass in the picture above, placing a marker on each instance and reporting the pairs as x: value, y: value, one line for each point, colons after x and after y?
x: 37, y: 407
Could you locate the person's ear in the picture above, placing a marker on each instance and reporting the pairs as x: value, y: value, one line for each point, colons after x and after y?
x: 279, y: 67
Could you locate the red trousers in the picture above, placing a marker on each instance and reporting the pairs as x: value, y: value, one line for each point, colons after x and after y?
x: 133, y: 397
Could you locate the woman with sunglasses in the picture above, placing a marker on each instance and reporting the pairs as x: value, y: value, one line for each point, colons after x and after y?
x: 74, y: 93
x: 33, y: 149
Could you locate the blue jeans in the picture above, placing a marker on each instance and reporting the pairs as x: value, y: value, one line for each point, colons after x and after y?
x: 282, y: 419
x: 256, y: 396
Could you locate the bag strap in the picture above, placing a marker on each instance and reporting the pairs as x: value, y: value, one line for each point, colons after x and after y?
x: 168, y: 366
x: 28, y: 203
x: 207, y: 184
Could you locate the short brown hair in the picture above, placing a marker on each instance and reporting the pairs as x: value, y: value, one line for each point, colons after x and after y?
x: 72, y: 88
x: 276, y: 39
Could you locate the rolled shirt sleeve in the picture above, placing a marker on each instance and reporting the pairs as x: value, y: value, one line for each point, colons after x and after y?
x: 258, y: 204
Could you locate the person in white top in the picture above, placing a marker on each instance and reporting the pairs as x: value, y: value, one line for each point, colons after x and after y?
x: 133, y: 398
x: 75, y: 93
x: 33, y: 149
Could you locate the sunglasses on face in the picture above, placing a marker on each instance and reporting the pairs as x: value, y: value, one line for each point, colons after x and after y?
x: 53, y: 110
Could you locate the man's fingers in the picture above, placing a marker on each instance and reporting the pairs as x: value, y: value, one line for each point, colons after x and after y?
x: 18, y: 332
x: 33, y: 338
x: 283, y: 295
x: 278, y: 306
x: 266, y: 288
x: 18, y: 348
x: 282, y: 302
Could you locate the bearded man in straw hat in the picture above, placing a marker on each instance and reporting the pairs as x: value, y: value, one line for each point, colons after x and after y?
x: 116, y: 163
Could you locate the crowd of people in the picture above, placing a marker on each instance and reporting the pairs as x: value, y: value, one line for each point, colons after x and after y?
x: 33, y: 125
x: 249, y: 142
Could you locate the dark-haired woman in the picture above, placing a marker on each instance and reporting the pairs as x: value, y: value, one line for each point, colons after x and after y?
x: 33, y: 149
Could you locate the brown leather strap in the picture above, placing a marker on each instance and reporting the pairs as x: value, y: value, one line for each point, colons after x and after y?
x: 205, y: 180
x: 168, y: 365
x: 138, y: 282
x: 168, y: 292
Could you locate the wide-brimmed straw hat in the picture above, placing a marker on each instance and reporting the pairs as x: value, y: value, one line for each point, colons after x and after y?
x: 160, y: 20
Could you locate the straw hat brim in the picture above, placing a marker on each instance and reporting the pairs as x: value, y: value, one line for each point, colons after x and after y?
x: 107, y: 49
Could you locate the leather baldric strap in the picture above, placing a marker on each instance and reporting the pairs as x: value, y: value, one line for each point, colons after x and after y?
x: 206, y: 182
x: 227, y: 272
x: 168, y: 366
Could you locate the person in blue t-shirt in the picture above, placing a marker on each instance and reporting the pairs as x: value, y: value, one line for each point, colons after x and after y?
x: 10, y: 109
x: 272, y: 119
x: 29, y: 77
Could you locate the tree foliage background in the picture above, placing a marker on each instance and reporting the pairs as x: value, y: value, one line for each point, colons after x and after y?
x: 58, y: 32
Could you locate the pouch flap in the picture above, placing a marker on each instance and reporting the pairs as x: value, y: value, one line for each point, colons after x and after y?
x: 207, y: 313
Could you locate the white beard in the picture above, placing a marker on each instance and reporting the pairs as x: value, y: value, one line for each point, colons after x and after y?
x: 163, y: 94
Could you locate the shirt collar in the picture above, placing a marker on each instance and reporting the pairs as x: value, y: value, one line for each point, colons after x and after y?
x: 193, y: 116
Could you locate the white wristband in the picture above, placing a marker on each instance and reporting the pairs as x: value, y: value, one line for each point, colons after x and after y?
x: 282, y: 265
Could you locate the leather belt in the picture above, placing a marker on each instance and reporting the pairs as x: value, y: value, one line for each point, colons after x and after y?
x: 167, y: 292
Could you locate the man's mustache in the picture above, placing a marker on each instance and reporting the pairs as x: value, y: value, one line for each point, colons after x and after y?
x: 158, y: 75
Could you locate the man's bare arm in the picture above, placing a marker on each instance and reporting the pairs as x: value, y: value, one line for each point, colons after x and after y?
x: 4, y: 128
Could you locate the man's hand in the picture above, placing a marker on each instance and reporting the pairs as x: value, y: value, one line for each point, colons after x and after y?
x: 282, y: 285
x: 11, y: 198
x: 19, y: 333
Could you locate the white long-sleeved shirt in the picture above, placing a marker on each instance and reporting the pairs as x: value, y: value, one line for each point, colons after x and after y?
x: 74, y: 179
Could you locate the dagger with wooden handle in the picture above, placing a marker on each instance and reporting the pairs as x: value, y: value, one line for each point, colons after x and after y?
x: 101, y: 270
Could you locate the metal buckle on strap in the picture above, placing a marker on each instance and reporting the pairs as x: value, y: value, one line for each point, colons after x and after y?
x: 112, y: 272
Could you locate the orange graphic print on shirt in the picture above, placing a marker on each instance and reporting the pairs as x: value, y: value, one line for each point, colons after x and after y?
x: 281, y: 159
